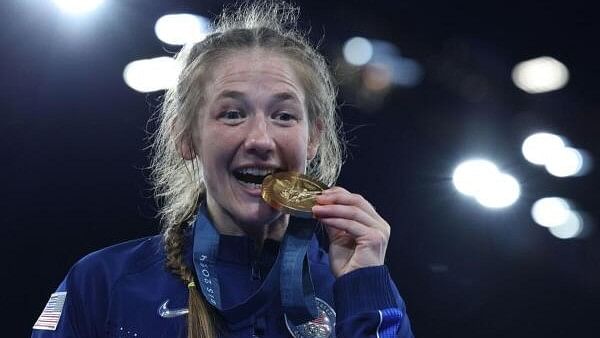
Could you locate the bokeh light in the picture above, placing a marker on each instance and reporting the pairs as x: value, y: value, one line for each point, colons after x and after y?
x: 500, y: 191
x: 149, y: 75
x: 376, y: 77
x: 471, y: 175
x: 540, y: 75
x: 565, y: 162
x: 403, y: 71
x: 407, y: 72
x: 572, y: 227
x: 550, y: 211
x: 551, y: 151
x: 482, y: 180
x: 358, y: 51
x: 181, y: 29
x: 539, y: 147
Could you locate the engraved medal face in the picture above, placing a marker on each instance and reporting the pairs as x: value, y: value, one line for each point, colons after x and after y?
x: 321, y: 327
x: 292, y: 193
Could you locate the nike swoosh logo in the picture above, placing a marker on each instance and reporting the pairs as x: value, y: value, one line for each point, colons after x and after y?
x: 165, y: 312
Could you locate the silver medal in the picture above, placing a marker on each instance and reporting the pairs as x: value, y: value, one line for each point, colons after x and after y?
x: 320, y: 327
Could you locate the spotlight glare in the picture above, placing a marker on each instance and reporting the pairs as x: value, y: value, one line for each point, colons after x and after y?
x: 149, y: 75
x: 540, y: 75
x: 181, y: 29
x: 565, y: 162
x: 539, y: 147
x: 77, y: 6
x: 358, y: 51
x: 571, y: 228
x: 471, y: 175
x: 550, y: 211
x: 500, y: 191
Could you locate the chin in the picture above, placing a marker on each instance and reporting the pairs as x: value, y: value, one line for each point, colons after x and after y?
x: 257, y: 214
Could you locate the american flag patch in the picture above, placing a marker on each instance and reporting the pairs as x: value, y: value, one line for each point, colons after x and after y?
x: 51, y: 315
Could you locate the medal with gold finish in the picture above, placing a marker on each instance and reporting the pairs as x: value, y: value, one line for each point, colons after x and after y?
x: 292, y: 192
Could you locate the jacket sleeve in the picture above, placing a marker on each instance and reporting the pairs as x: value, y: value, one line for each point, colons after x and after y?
x: 77, y: 306
x: 368, y: 304
x: 59, y: 315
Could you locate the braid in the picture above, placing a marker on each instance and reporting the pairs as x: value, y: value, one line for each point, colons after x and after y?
x: 174, y: 248
x: 201, y: 320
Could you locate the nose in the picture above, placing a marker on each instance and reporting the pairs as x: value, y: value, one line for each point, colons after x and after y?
x: 259, y: 140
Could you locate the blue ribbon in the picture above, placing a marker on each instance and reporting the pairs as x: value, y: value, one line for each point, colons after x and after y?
x: 297, y: 290
x: 291, y: 266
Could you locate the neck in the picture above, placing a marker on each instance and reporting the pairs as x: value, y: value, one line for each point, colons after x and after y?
x: 228, y: 225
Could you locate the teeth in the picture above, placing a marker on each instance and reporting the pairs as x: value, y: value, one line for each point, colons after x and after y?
x: 256, y: 171
x: 252, y: 185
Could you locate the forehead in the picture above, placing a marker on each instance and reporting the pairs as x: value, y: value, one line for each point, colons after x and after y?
x: 256, y: 70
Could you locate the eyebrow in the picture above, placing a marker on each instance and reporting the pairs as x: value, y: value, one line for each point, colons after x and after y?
x: 285, y: 96
x: 279, y: 97
x: 230, y: 94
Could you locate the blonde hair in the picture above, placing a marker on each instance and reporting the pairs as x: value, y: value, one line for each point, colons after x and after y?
x: 179, y: 183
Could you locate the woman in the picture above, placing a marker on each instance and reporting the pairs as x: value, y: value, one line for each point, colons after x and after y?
x: 253, y: 99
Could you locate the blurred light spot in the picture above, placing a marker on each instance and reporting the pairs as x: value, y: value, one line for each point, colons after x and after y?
x: 587, y: 163
x: 358, y: 51
x: 77, y: 6
x: 540, y: 75
x: 471, y: 175
x: 572, y: 227
x: 550, y: 211
x: 538, y: 148
x: 382, y: 48
x: 407, y: 72
x: 500, y: 191
x: 404, y: 71
x: 181, y: 29
x: 377, y: 77
x: 150, y: 75
x: 565, y: 162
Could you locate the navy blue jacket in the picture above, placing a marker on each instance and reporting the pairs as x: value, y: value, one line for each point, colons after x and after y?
x: 116, y: 292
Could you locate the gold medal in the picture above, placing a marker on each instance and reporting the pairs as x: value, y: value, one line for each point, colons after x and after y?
x: 292, y: 193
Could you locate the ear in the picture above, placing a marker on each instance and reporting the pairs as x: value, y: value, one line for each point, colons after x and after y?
x: 313, y: 142
x: 186, y: 148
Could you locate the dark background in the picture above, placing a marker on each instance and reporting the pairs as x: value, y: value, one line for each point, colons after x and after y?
x: 73, y: 139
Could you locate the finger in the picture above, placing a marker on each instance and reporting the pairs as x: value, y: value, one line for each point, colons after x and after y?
x: 351, y: 227
x: 334, y: 189
x: 342, y: 196
x: 332, y: 232
x: 338, y: 195
x: 348, y: 212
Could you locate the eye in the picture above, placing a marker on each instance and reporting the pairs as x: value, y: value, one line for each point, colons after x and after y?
x: 232, y: 116
x: 285, y: 117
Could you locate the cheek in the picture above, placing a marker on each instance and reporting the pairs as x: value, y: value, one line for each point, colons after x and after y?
x: 213, y: 152
x: 213, y: 148
x: 296, y: 148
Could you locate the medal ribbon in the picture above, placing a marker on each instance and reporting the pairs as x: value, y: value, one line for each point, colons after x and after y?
x: 205, y: 251
x: 291, y: 266
x: 297, y: 290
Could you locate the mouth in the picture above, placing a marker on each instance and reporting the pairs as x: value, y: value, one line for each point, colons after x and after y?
x: 252, y: 177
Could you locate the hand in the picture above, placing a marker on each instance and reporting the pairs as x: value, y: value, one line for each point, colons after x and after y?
x: 358, y: 235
